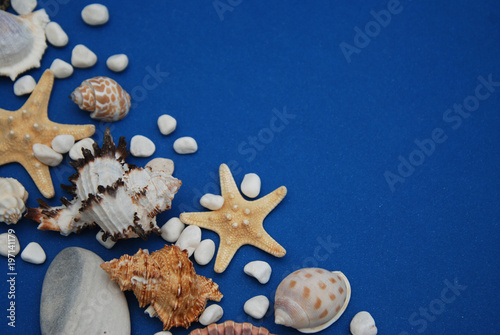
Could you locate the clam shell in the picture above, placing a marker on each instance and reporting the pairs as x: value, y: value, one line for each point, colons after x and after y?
x: 231, y: 327
x: 311, y: 299
x: 22, y: 42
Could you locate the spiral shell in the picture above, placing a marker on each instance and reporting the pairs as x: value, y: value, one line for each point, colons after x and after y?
x: 12, y: 200
x: 311, y: 299
x: 103, y: 97
x: 231, y: 327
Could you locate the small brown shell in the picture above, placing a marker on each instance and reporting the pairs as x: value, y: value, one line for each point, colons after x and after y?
x: 231, y: 327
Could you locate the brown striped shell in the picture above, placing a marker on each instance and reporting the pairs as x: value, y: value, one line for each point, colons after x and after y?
x: 103, y: 97
x: 231, y: 327
x: 167, y: 281
x: 311, y: 299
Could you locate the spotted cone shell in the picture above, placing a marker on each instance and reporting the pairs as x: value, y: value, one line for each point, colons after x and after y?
x: 231, y: 327
x: 103, y: 97
x: 167, y: 281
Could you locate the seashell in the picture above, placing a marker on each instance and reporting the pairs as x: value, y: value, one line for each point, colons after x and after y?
x: 22, y: 42
x: 231, y: 327
x: 311, y: 299
x: 167, y: 281
x: 103, y: 97
x: 122, y: 199
x: 13, y: 197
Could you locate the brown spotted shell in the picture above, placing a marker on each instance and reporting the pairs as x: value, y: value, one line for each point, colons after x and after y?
x: 103, y: 97
x: 167, y: 281
x: 231, y: 327
x: 311, y: 299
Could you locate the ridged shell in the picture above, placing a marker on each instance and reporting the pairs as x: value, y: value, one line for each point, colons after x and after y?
x: 311, y: 299
x: 13, y: 197
x: 231, y: 327
x: 122, y: 199
x: 22, y: 42
x: 103, y: 97
x: 167, y: 281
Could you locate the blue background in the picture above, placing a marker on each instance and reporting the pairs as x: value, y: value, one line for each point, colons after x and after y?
x: 353, y: 117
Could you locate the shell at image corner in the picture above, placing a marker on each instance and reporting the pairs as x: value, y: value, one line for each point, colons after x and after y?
x: 166, y: 280
x: 231, y: 327
x: 22, y: 42
x: 103, y: 97
x: 13, y: 197
x: 311, y: 299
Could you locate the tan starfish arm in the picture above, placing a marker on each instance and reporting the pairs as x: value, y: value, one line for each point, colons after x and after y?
x: 41, y: 176
x: 227, y: 249
x: 200, y: 219
x: 77, y: 131
x: 227, y: 183
x: 268, y: 244
x: 270, y: 201
x: 39, y: 98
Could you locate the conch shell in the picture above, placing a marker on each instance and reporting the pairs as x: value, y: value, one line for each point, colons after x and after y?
x: 22, y: 42
x: 13, y: 197
x: 103, y: 97
x: 311, y: 299
x: 231, y: 327
x: 122, y: 199
x: 166, y: 279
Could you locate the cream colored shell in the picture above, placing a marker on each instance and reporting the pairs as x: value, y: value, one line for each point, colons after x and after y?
x: 12, y: 200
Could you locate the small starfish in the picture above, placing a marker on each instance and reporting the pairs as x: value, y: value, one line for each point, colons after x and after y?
x: 20, y: 129
x: 239, y: 221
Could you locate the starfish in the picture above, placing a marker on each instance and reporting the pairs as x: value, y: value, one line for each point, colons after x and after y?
x: 239, y: 221
x: 20, y: 129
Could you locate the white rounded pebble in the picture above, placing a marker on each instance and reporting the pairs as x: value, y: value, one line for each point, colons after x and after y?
x: 363, y: 324
x: 189, y: 239
x: 82, y: 57
x: 108, y: 244
x: 46, y: 154
x: 117, y: 63
x: 185, y: 145
x: 172, y: 229
x: 33, y: 253
x: 9, y: 244
x: 260, y: 270
x: 212, y: 201
x: 204, y: 252
x: 162, y: 164
x: 257, y: 306
x: 141, y: 146
x: 250, y: 186
x: 61, y: 68
x: 167, y: 124
x: 55, y: 34
x: 75, y: 152
x: 163, y: 332
x: 211, y: 314
x: 62, y: 143
x: 23, y: 7
x: 24, y: 85
x: 95, y: 14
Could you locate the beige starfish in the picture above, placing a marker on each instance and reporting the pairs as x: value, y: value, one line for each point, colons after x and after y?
x: 20, y: 129
x: 239, y: 221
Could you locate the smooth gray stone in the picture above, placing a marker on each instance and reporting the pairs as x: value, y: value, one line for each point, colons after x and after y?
x: 79, y: 298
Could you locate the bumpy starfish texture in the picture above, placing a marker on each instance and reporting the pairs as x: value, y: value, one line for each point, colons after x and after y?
x: 239, y: 221
x: 20, y: 129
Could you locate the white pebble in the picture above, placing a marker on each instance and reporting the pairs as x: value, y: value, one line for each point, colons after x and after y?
x: 164, y: 332
x: 162, y: 164
x: 204, y: 252
x: 24, y: 85
x: 141, y: 146
x: 117, y: 63
x: 185, y: 145
x: 212, y: 201
x: 167, y: 124
x: 363, y: 324
x: 260, y: 270
x: 189, y: 239
x: 211, y: 314
x: 95, y: 14
x: 56, y: 35
x: 250, y: 186
x: 62, y: 143
x: 108, y: 244
x: 75, y: 152
x: 82, y: 57
x: 61, y: 68
x: 33, y: 253
x: 9, y: 244
x: 23, y: 7
x: 171, y: 230
x: 46, y: 154
x: 257, y: 306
